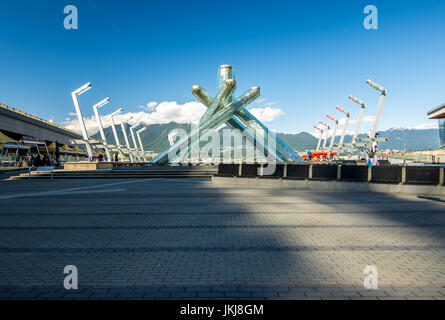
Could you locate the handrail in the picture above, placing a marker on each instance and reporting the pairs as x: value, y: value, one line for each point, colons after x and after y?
x: 49, y: 168
x: 29, y: 172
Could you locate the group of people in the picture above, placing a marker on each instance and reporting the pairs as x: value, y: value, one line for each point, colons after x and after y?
x: 34, y: 161
x: 21, y: 162
x: 37, y: 161
x: 100, y: 158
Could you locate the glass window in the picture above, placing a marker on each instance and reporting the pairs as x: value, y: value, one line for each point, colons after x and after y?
x: 442, y: 133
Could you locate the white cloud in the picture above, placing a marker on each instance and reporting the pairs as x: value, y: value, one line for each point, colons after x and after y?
x: 367, y: 119
x: 266, y: 114
x: 72, y: 114
x: 263, y: 102
x: 342, y: 121
x: 167, y: 112
x: 164, y: 112
x: 150, y: 106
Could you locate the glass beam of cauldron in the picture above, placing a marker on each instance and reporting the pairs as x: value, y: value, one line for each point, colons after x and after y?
x: 219, y: 118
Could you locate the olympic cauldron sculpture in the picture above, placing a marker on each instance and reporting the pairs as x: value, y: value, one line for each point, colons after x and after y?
x: 224, y: 108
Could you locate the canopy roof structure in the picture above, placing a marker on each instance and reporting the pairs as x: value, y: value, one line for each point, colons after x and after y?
x: 15, y: 146
x: 4, y: 139
x: 51, y: 147
x: 437, y: 113
x: 66, y: 147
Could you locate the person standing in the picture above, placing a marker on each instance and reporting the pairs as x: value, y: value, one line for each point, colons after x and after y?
x: 36, y: 161
x: 46, y: 161
x: 372, y: 161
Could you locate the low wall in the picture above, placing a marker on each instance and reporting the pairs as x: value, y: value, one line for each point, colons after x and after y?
x: 122, y: 166
x: 88, y: 165
x: 330, y: 185
x: 389, y: 178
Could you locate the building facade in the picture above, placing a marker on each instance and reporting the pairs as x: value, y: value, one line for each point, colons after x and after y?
x: 442, y: 133
x: 439, y: 114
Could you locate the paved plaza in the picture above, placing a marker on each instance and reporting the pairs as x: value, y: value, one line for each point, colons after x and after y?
x: 190, y: 239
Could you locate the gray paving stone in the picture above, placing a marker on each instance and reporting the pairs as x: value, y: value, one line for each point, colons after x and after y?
x: 131, y: 295
x: 232, y: 294
x: 333, y: 298
x: 172, y: 289
x: 165, y: 239
x: 184, y: 295
x: 421, y: 298
x: 224, y: 289
x: 158, y: 295
x: 213, y: 294
x: 198, y: 289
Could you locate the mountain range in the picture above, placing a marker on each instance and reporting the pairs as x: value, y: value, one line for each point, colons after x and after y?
x: 155, y: 138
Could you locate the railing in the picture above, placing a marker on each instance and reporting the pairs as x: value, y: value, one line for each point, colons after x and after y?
x: 324, y: 172
x: 297, y: 171
x: 228, y: 170
x: 277, y: 173
x: 389, y: 174
x: 49, y: 169
x: 249, y: 170
x: 354, y: 173
x: 423, y: 175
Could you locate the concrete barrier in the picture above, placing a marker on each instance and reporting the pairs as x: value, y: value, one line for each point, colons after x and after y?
x: 88, y: 165
x: 331, y: 185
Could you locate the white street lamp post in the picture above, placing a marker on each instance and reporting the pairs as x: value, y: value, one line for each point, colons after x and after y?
x: 326, y: 133
x: 335, y: 130
x: 133, y: 136
x: 360, y: 117
x: 138, y: 133
x: 124, y: 131
x: 116, y: 137
x: 345, y: 125
x: 319, y: 138
x: 383, y: 93
x: 113, y: 126
x: 99, y: 123
x: 74, y: 95
x: 127, y: 143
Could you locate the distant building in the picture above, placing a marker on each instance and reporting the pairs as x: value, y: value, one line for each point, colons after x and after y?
x: 19, y: 124
x: 439, y: 113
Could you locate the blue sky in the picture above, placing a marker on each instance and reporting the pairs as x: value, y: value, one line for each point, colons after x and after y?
x: 306, y: 56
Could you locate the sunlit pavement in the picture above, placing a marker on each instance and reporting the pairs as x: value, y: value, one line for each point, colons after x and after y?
x: 173, y: 239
